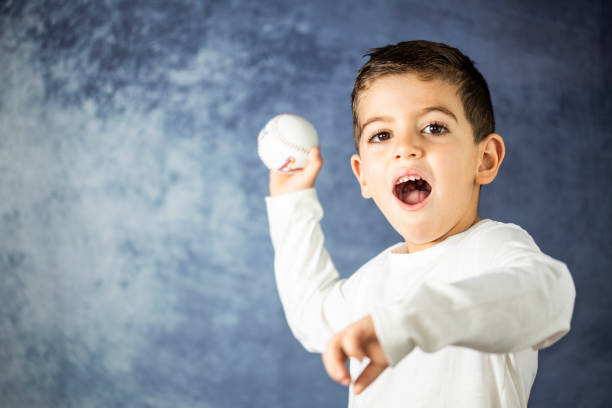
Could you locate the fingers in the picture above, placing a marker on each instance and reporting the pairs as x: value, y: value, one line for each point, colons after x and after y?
x: 358, y: 340
x: 368, y: 375
x: 334, y: 361
x: 282, y: 183
x: 314, y: 162
x: 339, y: 349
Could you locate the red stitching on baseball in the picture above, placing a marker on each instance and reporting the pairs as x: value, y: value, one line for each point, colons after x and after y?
x: 277, y: 134
x: 282, y: 139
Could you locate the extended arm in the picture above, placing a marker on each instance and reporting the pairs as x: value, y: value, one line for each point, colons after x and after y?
x: 526, y: 300
x: 526, y: 304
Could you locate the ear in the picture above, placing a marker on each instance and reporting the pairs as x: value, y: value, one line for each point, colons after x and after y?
x: 491, y: 152
x: 356, y: 166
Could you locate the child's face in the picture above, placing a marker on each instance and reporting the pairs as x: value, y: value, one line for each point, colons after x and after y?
x: 415, y: 128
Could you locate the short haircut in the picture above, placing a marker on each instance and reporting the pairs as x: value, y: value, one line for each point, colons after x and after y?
x: 429, y: 60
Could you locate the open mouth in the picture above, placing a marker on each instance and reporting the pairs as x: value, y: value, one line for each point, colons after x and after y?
x: 412, y: 190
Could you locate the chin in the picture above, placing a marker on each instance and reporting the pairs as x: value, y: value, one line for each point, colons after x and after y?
x: 417, y: 234
x: 418, y: 240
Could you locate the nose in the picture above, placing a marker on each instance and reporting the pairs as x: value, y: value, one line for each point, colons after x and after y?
x: 408, y: 146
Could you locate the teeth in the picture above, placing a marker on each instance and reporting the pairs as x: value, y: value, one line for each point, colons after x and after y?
x: 408, y: 178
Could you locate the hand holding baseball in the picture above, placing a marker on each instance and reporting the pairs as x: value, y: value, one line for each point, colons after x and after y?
x: 283, y: 183
x: 357, y: 340
x: 288, y: 146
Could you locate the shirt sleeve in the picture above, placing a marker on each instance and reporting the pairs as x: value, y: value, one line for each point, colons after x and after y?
x: 523, y: 299
x: 313, y: 297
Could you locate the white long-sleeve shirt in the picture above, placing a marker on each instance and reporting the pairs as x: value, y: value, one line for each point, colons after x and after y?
x: 459, y: 322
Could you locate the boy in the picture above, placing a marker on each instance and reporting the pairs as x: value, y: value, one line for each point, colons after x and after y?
x: 453, y: 316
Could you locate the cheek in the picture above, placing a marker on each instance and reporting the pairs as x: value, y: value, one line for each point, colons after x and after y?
x: 372, y: 172
x: 453, y: 174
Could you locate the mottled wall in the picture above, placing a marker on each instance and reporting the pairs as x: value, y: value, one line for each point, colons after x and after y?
x: 135, y: 265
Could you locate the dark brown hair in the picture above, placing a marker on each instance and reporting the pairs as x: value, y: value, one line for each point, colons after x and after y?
x: 430, y: 60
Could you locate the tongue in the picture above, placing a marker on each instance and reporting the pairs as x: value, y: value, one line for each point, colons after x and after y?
x: 414, y: 196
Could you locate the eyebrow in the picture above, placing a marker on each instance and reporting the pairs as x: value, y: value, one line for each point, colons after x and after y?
x: 441, y: 109
x: 375, y: 119
x: 437, y: 108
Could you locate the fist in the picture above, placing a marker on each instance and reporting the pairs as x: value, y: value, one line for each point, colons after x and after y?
x: 281, y: 183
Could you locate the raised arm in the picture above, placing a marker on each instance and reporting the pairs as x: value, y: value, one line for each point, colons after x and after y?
x: 311, y: 292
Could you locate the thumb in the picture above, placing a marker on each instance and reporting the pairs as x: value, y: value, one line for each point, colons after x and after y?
x: 314, y: 162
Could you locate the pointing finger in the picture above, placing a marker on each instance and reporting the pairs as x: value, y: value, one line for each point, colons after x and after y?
x: 371, y: 372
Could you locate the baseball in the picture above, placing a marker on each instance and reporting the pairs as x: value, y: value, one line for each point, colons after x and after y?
x: 283, y: 144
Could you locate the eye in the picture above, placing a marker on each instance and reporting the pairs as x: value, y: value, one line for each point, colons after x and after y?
x: 379, y: 137
x: 435, y: 129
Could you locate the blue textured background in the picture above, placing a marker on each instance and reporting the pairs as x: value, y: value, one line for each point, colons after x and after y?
x: 135, y: 264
